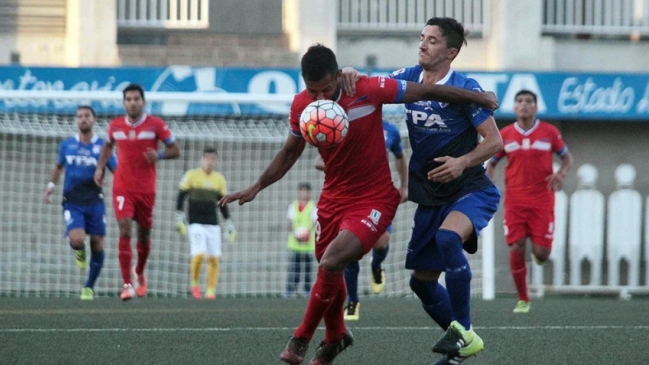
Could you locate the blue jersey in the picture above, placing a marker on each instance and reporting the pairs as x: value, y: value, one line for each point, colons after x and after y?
x: 392, y: 138
x: 442, y: 129
x: 80, y: 161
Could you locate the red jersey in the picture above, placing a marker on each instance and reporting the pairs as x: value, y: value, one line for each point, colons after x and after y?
x: 134, y: 173
x: 357, y: 168
x: 529, y: 162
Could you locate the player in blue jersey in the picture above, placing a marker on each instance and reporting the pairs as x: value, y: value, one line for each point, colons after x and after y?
x: 455, y: 197
x: 83, y: 200
x: 382, y: 246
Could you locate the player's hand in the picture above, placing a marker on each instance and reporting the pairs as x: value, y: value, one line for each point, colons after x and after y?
x: 230, y: 231
x: 450, y: 169
x: 349, y: 76
x: 48, y: 193
x: 180, y: 223
x: 403, y: 191
x: 555, y: 182
x: 99, y: 176
x: 151, y: 155
x: 490, y: 100
x: 242, y: 196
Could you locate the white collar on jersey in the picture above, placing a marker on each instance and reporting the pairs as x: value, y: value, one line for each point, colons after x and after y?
x: 133, y: 125
x: 92, y: 140
x: 440, y: 82
x: 529, y: 131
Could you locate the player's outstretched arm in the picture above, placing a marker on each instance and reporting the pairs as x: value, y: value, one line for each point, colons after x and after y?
x: 54, y: 177
x: 402, y: 168
x: 104, y: 156
x: 448, y: 94
x: 283, y: 161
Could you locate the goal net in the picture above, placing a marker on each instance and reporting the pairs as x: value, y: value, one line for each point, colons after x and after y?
x: 247, y: 130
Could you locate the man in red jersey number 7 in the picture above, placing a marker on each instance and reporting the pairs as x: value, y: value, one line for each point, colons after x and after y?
x: 134, y: 184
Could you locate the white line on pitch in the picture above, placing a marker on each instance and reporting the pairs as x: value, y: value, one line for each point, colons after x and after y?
x: 226, y: 329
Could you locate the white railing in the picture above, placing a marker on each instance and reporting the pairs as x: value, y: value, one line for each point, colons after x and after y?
x: 596, y: 17
x: 183, y: 14
x: 356, y: 16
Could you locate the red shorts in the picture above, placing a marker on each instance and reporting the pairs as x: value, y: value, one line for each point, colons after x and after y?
x: 137, y: 206
x: 537, y: 223
x: 367, y: 221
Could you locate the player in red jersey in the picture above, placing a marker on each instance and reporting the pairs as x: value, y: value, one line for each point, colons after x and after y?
x: 134, y: 184
x: 358, y: 200
x: 530, y: 184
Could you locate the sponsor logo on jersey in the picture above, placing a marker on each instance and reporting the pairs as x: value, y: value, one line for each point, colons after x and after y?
x: 81, y: 160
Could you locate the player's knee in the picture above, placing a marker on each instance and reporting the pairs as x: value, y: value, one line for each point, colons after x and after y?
x: 448, y: 241
x: 331, y: 264
x: 542, y: 254
x: 518, y: 246
x: 77, y: 243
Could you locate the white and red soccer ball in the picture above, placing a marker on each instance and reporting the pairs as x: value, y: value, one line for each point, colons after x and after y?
x: 324, y: 123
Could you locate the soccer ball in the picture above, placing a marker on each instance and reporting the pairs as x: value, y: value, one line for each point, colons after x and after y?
x: 324, y: 123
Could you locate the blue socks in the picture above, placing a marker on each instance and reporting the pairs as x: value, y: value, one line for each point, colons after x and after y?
x: 458, y: 274
x: 434, y: 299
x: 96, y: 263
x: 351, y: 280
x: 378, y: 256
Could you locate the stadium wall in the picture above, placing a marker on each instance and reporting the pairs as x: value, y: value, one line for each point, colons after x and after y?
x: 597, y: 135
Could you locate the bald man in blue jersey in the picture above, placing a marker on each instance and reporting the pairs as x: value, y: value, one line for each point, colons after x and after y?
x: 84, y: 211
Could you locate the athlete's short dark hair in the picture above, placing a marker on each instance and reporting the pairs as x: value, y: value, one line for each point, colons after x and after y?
x: 304, y: 186
x: 318, y: 62
x: 452, y: 30
x: 87, y: 107
x: 133, y: 87
x: 210, y: 150
x: 525, y: 92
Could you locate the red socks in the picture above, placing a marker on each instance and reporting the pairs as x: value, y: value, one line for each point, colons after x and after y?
x: 125, y: 257
x: 143, y: 249
x: 519, y: 273
x: 325, y: 301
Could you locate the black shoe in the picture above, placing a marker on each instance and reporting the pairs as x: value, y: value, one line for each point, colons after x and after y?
x: 295, y: 351
x: 352, y: 311
x: 451, y: 360
x: 327, y: 352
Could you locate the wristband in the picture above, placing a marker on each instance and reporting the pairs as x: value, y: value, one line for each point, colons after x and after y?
x: 51, y: 185
x: 161, y: 155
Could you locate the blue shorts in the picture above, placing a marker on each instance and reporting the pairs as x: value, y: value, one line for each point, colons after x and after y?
x: 91, y: 218
x: 389, y: 229
x: 479, y: 207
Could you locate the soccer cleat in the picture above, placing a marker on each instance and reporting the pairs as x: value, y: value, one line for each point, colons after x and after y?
x: 127, y: 292
x: 459, y: 341
x: 210, y: 295
x: 327, y: 352
x: 352, y: 311
x: 522, y: 307
x: 378, y: 281
x: 81, y: 258
x: 196, y: 292
x: 294, y: 351
x: 451, y: 360
x: 141, y: 288
x: 87, y: 294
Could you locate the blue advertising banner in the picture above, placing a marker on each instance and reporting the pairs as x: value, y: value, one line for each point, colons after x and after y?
x: 561, y: 96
